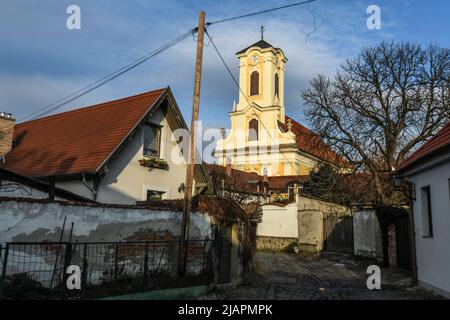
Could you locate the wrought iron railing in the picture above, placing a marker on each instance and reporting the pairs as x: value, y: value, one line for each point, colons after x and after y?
x: 100, y: 269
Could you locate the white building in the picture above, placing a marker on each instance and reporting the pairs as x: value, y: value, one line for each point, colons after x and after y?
x: 104, y: 152
x: 428, y: 169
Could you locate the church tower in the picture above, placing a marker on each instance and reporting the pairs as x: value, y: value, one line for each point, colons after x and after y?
x: 262, y: 139
x: 261, y: 77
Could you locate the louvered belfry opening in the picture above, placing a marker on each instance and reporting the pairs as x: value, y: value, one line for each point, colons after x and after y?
x: 254, y: 83
x: 277, y: 85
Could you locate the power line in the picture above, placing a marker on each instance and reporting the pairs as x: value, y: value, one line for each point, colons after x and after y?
x: 258, y: 12
x: 245, y: 96
x: 87, y: 89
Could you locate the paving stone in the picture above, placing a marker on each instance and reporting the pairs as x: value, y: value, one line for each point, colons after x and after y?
x: 279, y: 276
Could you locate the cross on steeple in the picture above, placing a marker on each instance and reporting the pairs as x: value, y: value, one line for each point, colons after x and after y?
x: 262, y: 32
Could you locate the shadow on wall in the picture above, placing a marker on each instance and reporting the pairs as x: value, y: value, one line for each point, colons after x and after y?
x: 43, y: 221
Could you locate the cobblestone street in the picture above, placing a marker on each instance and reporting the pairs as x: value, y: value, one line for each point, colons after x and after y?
x: 279, y: 276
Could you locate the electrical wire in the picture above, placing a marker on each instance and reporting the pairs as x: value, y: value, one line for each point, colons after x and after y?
x: 87, y: 89
x: 249, y: 103
x: 258, y: 12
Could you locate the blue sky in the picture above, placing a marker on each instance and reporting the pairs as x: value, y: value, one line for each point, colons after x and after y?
x: 42, y: 61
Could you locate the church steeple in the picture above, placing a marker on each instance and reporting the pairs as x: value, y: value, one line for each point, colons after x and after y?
x: 262, y: 139
x: 261, y: 76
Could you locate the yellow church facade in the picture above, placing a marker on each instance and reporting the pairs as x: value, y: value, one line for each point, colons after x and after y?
x: 262, y: 139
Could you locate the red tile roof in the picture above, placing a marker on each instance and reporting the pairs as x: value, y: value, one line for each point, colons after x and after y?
x: 309, y: 142
x: 77, y: 141
x: 241, y: 180
x: 440, y: 141
x: 282, y: 182
x: 248, y: 181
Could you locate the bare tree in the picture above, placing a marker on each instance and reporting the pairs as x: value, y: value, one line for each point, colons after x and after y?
x: 235, y: 186
x: 382, y: 105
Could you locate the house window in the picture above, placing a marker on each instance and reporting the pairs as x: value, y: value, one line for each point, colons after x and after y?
x: 153, y: 195
x: 152, y: 140
x: 254, y: 83
x: 253, y: 127
x: 277, y: 85
x: 427, y: 221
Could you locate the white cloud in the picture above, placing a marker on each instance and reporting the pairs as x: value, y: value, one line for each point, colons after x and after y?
x: 116, y: 32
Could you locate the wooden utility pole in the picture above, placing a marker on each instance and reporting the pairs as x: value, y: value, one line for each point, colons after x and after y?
x: 191, y: 160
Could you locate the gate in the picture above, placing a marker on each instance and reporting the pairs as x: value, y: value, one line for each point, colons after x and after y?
x: 403, y: 244
x: 224, y: 244
x: 338, y: 234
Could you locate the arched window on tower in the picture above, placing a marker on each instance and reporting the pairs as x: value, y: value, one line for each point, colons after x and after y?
x: 254, y: 83
x: 253, y: 130
x: 277, y: 85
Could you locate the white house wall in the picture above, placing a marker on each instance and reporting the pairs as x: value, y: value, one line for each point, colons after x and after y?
x: 433, y: 254
x: 127, y: 181
x: 367, y: 234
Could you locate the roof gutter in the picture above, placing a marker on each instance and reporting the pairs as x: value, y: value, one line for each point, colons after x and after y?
x: 421, y: 160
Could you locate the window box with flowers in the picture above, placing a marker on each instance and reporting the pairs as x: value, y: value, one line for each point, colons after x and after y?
x: 154, y: 163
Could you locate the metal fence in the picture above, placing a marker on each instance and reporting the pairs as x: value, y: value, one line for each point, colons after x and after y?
x: 39, y: 270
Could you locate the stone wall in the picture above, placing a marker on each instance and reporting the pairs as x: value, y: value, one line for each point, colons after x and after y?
x: 367, y: 234
x: 274, y: 243
x: 35, y: 220
x: 308, y: 203
x: 311, y: 213
x: 300, y: 221
x: 310, y: 230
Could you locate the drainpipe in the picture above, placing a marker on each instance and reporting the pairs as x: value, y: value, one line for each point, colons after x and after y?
x: 93, y: 189
x: 51, y: 188
x: 413, y: 241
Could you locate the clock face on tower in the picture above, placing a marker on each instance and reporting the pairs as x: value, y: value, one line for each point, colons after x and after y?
x: 255, y: 59
x: 275, y: 61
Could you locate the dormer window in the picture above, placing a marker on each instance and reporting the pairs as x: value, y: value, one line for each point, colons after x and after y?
x: 254, y: 83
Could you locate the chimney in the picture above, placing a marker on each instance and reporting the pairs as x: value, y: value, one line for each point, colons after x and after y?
x: 6, y: 134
